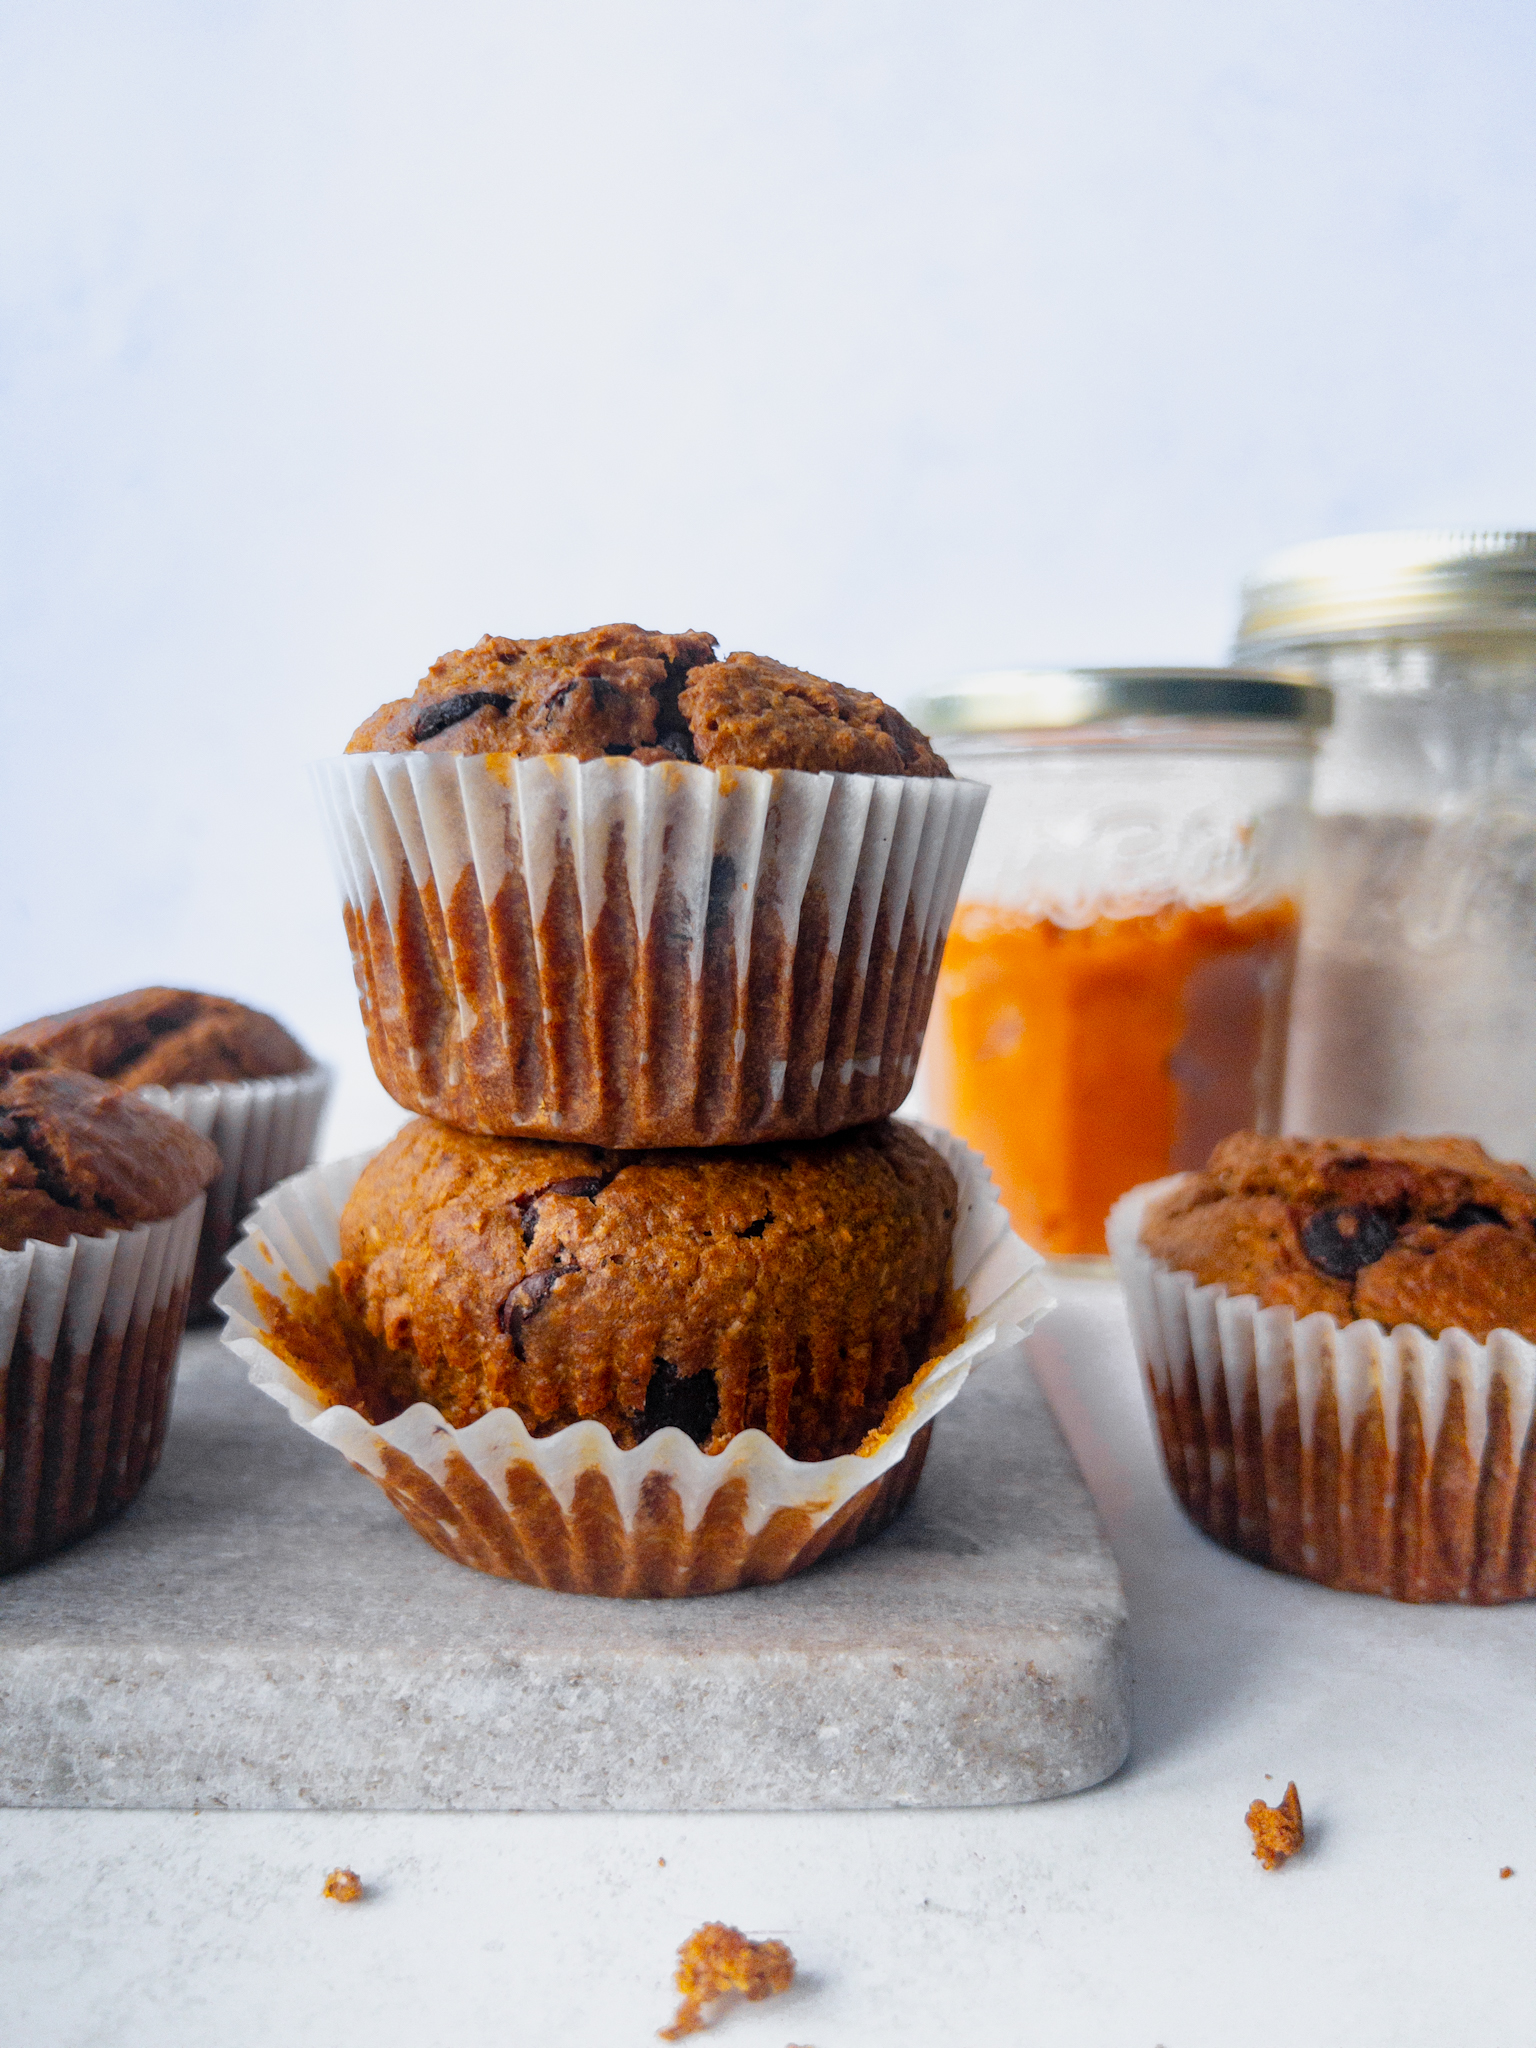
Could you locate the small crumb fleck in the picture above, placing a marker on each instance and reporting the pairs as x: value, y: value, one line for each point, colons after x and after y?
x: 1277, y: 1830
x: 344, y: 1886
x: 716, y: 1960
x: 1507, y: 1871
x: 661, y: 1862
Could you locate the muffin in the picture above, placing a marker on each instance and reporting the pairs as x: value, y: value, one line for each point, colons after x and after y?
x: 1340, y: 1341
x: 234, y: 1073
x: 568, y: 1303
x: 101, y: 1197
x: 793, y: 1289
x: 605, y: 889
x: 164, y: 1036
x: 651, y: 696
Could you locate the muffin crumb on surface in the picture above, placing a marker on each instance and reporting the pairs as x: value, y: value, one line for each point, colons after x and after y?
x: 717, y: 1960
x: 1425, y: 1231
x: 344, y: 1886
x: 1277, y: 1830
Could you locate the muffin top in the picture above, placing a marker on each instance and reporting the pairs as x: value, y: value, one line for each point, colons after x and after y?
x: 790, y: 1288
x: 652, y: 696
x: 165, y: 1035
x: 78, y: 1155
x: 1428, y: 1231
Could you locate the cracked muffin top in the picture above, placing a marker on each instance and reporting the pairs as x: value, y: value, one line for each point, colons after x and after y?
x: 170, y: 1036
x: 790, y: 1288
x: 652, y: 696
x: 1428, y: 1231
x: 80, y: 1156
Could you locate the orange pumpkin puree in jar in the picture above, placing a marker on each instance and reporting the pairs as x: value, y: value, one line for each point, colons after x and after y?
x: 1082, y: 1061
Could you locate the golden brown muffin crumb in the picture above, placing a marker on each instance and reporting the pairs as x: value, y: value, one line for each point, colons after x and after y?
x: 792, y: 1288
x: 344, y: 1886
x: 717, y: 1960
x: 166, y: 1036
x: 1507, y: 1871
x: 1426, y: 1231
x: 653, y: 696
x: 749, y: 711
x: 1277, y: 1830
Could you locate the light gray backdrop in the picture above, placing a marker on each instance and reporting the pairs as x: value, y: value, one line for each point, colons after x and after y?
x: 893, y: 340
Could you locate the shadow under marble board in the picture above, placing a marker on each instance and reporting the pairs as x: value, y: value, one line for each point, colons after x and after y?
x: 261, y: 1630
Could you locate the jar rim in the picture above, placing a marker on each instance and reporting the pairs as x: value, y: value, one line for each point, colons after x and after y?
x: 1021, y: 700
x: 1362, y: 586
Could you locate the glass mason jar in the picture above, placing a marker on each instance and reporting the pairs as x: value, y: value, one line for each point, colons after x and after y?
x: 1415, y: 1002
x: 1114, y: 990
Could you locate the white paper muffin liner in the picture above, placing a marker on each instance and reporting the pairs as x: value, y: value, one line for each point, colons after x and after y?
x: 630, y: 954
x: 263, y: 1131
x: 89, y: 1333
x: 572, y: 1511
x: 1380, y: 1462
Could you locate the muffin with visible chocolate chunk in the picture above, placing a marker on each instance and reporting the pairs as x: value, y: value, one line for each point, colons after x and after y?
x: 606, y: 889
x: 232, y: 1072
x: 651, y: 696
x: 1340, y: 1339
x: 643, y: 1374
x: 793, y: 1289
x: 101, y: 1196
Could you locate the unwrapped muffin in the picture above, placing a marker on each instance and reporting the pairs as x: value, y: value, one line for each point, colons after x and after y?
x: 232, y: 1072
x: 101, y: 1197
x: 792, y: 1289
x: 1339, y: 1337
x: 605, y: 889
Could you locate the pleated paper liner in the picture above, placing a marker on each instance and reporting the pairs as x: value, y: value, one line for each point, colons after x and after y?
x: 264, y: 1131
x: 573, y: 1512
x: 89, y: 1333
x: 630, y: 954
x: 1379, y: 1462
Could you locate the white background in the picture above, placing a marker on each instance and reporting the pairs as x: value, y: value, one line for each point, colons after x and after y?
x: 894, y: 340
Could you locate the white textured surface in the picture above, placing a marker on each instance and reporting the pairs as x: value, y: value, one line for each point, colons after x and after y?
x: 1126, y: 1917
x: 263, y: 1630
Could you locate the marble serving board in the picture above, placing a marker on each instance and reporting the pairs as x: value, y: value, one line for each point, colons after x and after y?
x: 261, y: 1630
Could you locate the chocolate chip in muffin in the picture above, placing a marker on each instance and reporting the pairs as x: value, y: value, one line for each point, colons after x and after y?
x: 1340, y: 1241
x: 453, y: 710
x: 690, y: 1404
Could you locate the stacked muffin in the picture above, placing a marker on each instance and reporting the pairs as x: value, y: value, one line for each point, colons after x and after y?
x: 649, y: 940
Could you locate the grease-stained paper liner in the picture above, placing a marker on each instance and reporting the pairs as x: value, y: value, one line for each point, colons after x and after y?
x: 575, y: 1513
x: 1394, y: 1463
x: 89, y: 1332
x: 263, y: 1131
x: 630, y: 954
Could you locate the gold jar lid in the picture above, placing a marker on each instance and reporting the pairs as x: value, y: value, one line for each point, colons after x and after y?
x: 1368, y: 585
x: 1054, y: 700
